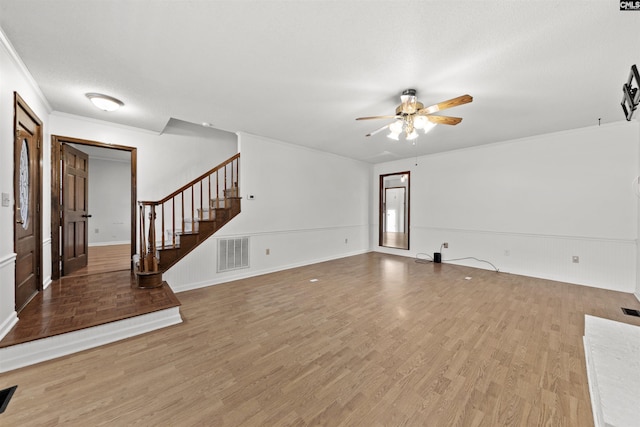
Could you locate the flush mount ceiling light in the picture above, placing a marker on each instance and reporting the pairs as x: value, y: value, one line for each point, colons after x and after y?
x: 412, y: 115
x: 104, y: 102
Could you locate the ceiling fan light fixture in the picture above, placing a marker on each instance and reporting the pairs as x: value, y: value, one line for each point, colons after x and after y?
x: 104, y: 102
x: 419, y: 122
x: 413, y: 135
x: 412, y: 115
x: 394, y: 136
x: 409, y: 101
x: 428, y: 126
x: 396, y: 127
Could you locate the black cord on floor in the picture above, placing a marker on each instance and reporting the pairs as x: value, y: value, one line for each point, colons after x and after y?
x: 429, y: 259
x: 479, y: 260
x: 423, y: 260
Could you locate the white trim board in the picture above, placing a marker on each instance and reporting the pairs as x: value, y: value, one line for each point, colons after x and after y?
x: 8, y: 259
x: 7, y: 324
x: 30, y: 353
x: 4, y: 41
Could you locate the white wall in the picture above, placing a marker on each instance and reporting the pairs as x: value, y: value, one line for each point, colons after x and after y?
x: 307, y: 204
x: 13, y: 77
x: 165, y: 162
x: 529, y: 205
x: 109, y: 202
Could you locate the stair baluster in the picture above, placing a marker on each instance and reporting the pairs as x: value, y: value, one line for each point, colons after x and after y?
x: 159, y: 253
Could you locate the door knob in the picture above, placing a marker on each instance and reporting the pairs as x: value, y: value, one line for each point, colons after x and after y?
x: 86, y: 216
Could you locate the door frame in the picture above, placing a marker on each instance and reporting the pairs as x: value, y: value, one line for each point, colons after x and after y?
x: 381, y: 207
x: 56, y: 179
x: 19, y: 103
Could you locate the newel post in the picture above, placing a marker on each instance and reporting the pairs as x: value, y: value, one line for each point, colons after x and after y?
x: 148, y: 274
x: 151, y: 262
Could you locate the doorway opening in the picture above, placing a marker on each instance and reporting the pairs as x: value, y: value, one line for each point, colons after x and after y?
x: 91, y: 237
x: 394, y: 210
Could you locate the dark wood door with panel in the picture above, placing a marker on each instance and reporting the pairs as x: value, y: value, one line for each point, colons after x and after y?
x: 75, y: 188
x: 27, y: 224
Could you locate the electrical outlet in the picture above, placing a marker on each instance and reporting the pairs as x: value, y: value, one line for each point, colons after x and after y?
x: 575, y: 259
x: 97, y: 230
x: 268, y: 251
x: 6, y: 200
x: 346, y: 241
x: 445, y: 245
x: 507, y: 252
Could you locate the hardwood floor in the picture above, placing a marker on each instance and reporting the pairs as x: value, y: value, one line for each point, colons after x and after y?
x: 378, y: 340
x: 78, y: 302
x: 103, y: 259
x: 395, y: 240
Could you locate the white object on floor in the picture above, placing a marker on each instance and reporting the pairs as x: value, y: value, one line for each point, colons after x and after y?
x: 612, y: 351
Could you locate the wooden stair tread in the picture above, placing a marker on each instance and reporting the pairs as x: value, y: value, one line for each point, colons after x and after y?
x: 187, y: 233
x: 217, y: 194
x: 168, y: 247
x: 189, y: 240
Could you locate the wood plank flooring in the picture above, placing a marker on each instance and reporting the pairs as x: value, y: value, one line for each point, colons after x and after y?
x: 78, y: 302
x: 103, y: 259
x: 395, y: 240
x: 378, y: 340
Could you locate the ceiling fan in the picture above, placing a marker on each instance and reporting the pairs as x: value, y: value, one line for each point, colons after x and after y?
x: 412, y: 115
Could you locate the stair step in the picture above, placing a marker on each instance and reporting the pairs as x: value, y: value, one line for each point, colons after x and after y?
x: 187, y: 240
x: 212, y: 212
x: 149, y: 279
x: 176, y: 240
x: 187, y: 233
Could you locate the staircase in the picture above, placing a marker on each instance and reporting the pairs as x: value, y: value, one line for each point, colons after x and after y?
x: 174, y: 226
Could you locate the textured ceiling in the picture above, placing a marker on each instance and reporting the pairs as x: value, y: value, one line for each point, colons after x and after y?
x: 302, y: 71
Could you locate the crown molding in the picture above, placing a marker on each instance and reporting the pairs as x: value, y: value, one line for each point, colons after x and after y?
x: 4, y: 41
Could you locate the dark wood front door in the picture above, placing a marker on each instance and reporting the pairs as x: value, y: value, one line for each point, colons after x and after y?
x: 26, y: 190
x: 75, y: 179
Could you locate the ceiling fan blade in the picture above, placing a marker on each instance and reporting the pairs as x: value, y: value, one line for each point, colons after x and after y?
x: 377, y: 117
x: 444, y: 120
x: 464, y: 99
x: 378, y: 130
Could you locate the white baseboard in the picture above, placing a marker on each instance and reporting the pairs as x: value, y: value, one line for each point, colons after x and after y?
x: 7, y: 324
x: 240, y: 274
x: 30, y: 353
x: 637, y: 294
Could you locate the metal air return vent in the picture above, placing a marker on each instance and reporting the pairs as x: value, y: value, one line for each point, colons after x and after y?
x: 233, y: 254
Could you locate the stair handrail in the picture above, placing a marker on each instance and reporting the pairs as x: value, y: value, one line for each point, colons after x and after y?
x: 192, y: 182
x: 148, y: 260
